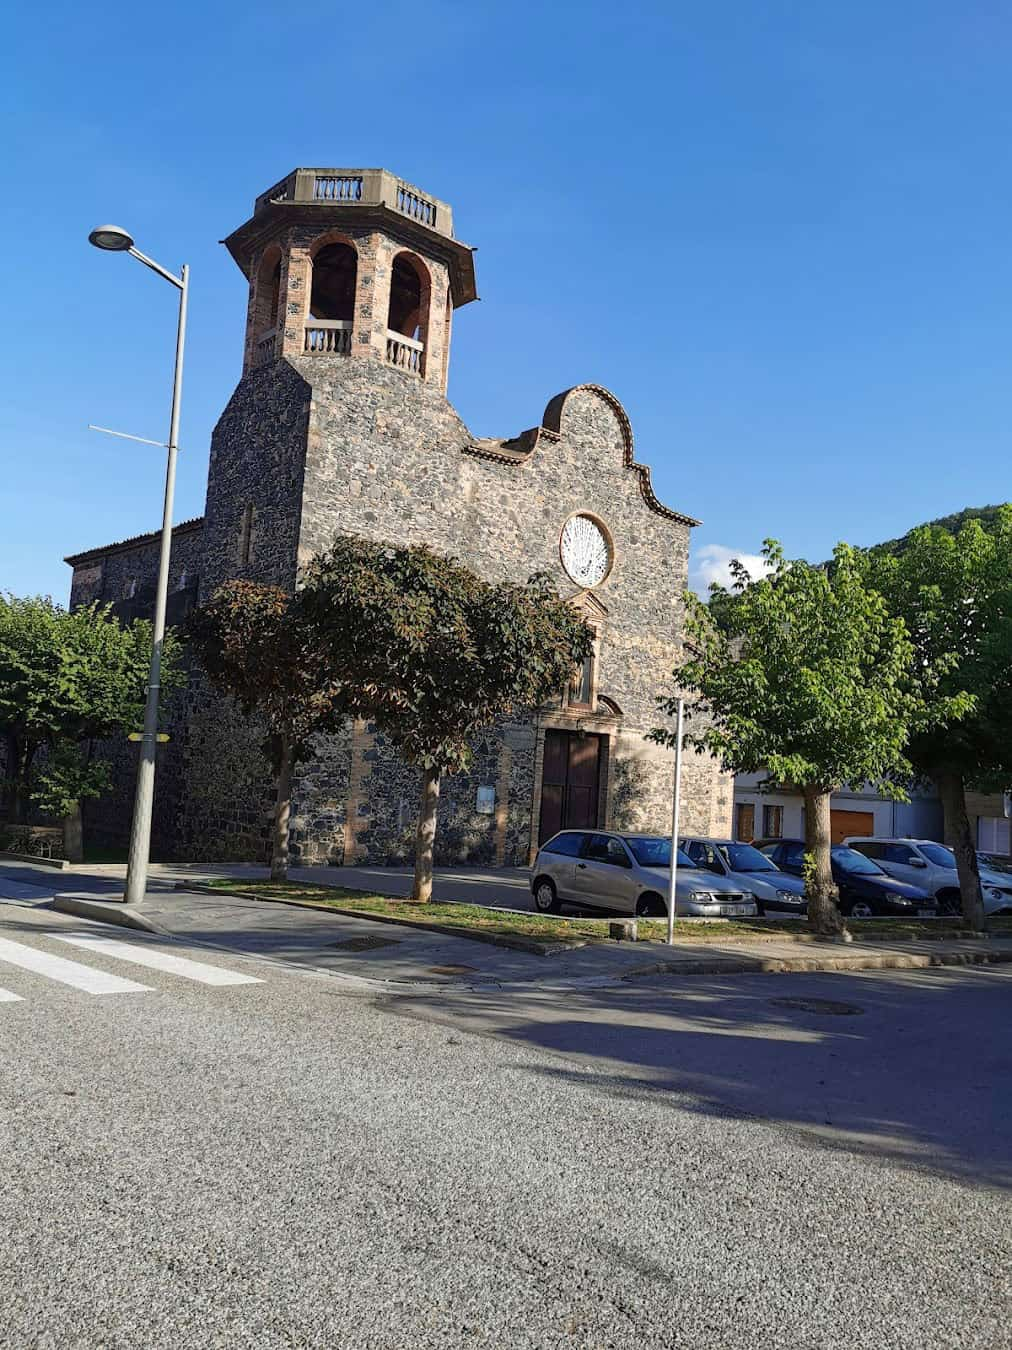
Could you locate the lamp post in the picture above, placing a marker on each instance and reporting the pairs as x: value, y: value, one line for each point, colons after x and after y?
x: 675, y: 809
x: 115, y: 240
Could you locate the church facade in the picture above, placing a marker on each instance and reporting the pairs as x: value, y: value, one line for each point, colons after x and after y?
x: 340, y: 423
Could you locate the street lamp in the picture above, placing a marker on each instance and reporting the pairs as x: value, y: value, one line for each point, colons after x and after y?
x: 112, y: 239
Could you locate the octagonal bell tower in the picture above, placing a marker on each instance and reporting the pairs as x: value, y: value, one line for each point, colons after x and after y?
x: 352, y: 264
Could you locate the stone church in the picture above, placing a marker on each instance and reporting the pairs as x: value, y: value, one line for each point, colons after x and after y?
x: 340, y: 422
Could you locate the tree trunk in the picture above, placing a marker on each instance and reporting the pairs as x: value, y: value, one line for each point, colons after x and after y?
x: 17, y: 773
x: 820, y: 888
x: 958, y: 835
x: 12, y: 760
x: 282, y: 812
x: 425, y: 836
x: 73, y: 836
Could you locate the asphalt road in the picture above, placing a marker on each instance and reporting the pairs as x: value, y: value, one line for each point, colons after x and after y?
x: 291, y: 1162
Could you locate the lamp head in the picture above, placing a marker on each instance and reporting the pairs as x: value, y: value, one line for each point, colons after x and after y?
x: 111, y: 238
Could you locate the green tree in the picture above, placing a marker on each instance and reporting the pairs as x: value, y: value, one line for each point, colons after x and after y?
x: 432, y: 654
x: 805, y: 679
x: 255, y: 645
x: 67, y: 677
x: 954, y: 592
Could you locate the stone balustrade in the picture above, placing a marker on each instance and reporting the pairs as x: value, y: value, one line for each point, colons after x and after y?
x: 405, y: 352
x: 359, y: 187
x: 265, y: 347
x: 328, y: 336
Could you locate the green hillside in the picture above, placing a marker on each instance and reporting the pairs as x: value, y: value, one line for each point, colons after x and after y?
x: 953, y: 523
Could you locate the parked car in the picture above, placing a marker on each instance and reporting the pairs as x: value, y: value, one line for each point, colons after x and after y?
x: 773, y: 890
x: 995, y: 862
x: 865, y: 890
x: 628, y: 873
x: 922, y: 862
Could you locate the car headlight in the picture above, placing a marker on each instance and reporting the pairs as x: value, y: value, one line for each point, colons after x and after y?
x: 995, y: 893
x: 702, y: 897
x: 787, y: 895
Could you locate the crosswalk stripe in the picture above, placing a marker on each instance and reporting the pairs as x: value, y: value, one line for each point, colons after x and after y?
x: 66, y: 972
x: 157, y: 960
x: 7, y: 997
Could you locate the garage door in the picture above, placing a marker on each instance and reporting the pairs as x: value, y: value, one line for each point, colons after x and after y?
x: 844, y: 823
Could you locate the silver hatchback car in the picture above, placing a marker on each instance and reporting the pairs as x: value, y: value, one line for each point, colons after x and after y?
x: 628, y: 873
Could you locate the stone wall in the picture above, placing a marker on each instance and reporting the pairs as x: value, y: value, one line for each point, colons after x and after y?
x: 314, y: 444
x: 389, y: 458
x: 125, y: 576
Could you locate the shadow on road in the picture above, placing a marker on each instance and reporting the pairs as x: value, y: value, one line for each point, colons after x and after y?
x: 909, y: 1066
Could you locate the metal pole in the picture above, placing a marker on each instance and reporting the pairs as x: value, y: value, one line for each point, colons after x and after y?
x: 140, y: 831
x: 674, y: 823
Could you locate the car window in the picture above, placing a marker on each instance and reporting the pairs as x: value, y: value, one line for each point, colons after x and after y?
x: 617, y: 854
x: 745, y: 858
x: 704, y: 855
x: 656, y: 852
x: 794, y: 854
x: 849, y: 860
x: 569, y: 844
x: 898, y: 853
x: 940, y: 856
x: 596, y: 848
x: 869, y: 847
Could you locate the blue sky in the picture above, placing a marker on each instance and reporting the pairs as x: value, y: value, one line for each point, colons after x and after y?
x: 778, y: 232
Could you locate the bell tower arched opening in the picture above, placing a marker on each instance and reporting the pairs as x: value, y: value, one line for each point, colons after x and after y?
x: 334, y: 280
x: 408, y: 312
x: 266, y: 304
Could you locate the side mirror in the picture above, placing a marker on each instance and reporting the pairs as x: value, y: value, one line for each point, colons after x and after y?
x: 916, y: 862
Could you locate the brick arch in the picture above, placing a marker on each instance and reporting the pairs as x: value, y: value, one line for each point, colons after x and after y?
x: 408, y: 312
x: 331, y: 237
x: 341, y: 291
x: 267, y: 289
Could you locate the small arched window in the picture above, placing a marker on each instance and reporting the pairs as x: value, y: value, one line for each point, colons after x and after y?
x: 335, y: 270
x: 408, y: 298
x: 268, y: 291
x: 275, y: 292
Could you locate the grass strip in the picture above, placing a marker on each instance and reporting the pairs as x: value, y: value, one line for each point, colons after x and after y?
x: 553, y: 929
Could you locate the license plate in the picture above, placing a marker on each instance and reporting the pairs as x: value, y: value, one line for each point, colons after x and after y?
x: 734, y: 909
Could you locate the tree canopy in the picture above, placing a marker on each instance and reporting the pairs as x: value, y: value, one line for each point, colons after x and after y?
x: 67, y: 677
x: 954, y: 593
x: 432, y: 653
x: 805, y: 678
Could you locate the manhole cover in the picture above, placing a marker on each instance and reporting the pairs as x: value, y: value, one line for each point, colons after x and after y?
x: 365, y: 944
x: 452, y: 970
x: 826, y: 1006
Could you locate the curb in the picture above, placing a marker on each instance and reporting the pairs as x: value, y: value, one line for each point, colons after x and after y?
x: 105, y: 911
x: 60, y: 864
x: 518, y: 943
x: 800, y: 965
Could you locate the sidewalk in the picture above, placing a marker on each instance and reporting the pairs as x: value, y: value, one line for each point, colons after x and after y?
x: 399, y: 955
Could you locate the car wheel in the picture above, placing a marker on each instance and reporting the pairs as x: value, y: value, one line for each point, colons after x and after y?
x: 545, y: 899
x: 651, y: 907
x: 950, y: 903
x: 860, y: 909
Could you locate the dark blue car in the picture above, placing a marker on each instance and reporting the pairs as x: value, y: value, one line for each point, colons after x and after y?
x: 865, y: 890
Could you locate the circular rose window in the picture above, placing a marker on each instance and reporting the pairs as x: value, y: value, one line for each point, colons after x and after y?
x: 585, y: 551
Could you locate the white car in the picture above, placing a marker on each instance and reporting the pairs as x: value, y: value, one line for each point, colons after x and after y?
x: 628, y: 874
x: 932, y: 866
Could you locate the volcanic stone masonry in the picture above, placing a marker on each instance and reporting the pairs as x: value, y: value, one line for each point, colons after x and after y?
x: 340, y: 422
